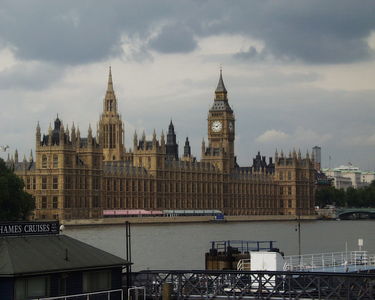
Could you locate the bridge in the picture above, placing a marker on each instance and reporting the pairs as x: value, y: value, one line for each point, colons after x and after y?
x: 355, y: 213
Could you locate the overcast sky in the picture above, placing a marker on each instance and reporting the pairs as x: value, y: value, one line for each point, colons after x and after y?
x: 299, y: 73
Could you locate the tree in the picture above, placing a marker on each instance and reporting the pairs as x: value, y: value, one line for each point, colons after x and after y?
x: 362, y: 197
x: 15, y: 203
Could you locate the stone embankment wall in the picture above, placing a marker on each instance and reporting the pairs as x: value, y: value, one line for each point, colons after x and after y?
x: 197, y: 219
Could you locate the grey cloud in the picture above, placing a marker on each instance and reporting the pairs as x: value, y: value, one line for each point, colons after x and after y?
x: 174, y: 38
x: 251, y: 54
x: 74, y: 32
x: 32, y: 76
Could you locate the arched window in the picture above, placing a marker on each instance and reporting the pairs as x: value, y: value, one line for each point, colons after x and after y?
x: 55, y: 161
x: 44, y: 161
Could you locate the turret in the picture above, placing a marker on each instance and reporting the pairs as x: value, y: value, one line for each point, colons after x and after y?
x: 37, y: 135
x: 50, y: 135
x: 78, y: 138
x: 154, y: 141
x: 171, y: 146
x: 67, y: 134
x: 73, y: 135
x: 31, y: 158
x: 203, y: 147
x: 89, y: 136
x: 61, y: 134
x: 135, y: 140
x: 187, y: 149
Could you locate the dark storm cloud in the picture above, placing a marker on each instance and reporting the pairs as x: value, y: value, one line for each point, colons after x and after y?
x: 78, y: 32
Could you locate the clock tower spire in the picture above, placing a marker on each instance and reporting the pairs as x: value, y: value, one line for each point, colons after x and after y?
x: 221, y: 130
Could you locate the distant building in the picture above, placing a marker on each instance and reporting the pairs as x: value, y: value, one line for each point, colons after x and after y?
x: 317, y: 154
x: 368, y: 177
x: 79, y: 177
x: 349, y: 176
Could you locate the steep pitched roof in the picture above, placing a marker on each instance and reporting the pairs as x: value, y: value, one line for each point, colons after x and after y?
x: 54, y: 253
x: 220, y: 85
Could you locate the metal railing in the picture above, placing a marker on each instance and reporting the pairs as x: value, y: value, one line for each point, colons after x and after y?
x: 117, y: 294
x: 332, y: 262
x: 244, y: 264
x: 242, y: 246
x: 255, y: 285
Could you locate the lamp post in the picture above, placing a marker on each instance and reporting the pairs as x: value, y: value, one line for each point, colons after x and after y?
x: 298, y: 229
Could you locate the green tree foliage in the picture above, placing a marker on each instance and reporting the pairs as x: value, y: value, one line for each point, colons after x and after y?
x: 363, y: 197
x: 15, y: 203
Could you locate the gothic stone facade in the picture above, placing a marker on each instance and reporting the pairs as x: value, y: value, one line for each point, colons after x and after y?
x: 76, y: 177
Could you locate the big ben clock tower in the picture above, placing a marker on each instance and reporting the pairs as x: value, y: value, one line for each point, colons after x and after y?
x: 221, y: 131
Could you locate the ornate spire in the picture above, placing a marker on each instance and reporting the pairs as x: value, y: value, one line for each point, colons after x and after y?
x: 221, y: 99
x: 110, y: 83
x: 110, y: 102
x: 31, y: 156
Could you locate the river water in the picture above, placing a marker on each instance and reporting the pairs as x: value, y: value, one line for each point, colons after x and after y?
x: 182, y: 246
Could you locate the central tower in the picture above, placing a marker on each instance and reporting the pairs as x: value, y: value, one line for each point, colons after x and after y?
x: 221, y: 131
x: 111, y: 127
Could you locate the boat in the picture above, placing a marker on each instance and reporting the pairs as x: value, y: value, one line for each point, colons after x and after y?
x: 264, y: 256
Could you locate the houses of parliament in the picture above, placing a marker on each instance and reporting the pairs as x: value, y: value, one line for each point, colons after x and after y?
x: 77, y: 177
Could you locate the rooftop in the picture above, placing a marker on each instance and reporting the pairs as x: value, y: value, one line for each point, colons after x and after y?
x: 22, y: 255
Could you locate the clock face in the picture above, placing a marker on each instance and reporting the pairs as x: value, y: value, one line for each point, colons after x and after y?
x: 231, y: 127
x: 216, y: 126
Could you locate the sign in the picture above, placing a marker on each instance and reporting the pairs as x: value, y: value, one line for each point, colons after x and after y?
x: 29, y: 228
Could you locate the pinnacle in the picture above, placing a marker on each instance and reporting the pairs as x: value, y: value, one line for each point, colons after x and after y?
x: 110, y: 83
x: 220, y: 86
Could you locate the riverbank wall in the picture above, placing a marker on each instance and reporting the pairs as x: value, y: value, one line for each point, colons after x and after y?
x: 182, y: 219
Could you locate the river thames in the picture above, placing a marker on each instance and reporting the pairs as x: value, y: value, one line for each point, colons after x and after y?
x: 182, y: 246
